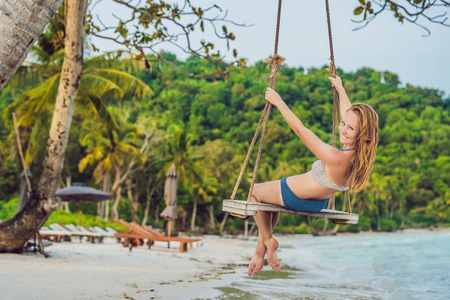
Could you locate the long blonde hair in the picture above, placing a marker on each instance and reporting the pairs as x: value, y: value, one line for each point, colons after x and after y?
x: 361, y: 164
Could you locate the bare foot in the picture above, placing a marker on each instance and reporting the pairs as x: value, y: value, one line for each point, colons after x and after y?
x: 257, y: 262
x: 272, y: 258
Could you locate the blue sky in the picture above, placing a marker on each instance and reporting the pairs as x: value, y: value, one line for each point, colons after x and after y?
x: 384, y: 45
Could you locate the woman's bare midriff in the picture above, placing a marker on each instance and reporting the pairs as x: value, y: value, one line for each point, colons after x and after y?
x: 305, y: 187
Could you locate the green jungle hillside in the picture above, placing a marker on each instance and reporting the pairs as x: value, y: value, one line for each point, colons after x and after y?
x: 130, y: 124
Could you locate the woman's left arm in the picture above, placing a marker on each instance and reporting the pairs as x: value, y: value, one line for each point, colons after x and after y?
x: 321, y: 150
x: 344, y: 101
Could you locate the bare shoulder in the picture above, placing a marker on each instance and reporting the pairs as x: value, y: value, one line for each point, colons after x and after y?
x: 336, y: 158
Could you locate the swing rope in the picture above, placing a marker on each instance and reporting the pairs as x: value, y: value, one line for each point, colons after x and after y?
x: 336, y: 109
x: 276, y: 61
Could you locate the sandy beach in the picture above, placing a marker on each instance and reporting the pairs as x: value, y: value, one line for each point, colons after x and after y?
x: 110, y: 271
x: 348, y: 266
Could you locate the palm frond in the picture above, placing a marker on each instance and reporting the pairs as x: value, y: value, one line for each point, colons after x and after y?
x: 34, y: 101
x: 131, y: 85
x: 126, y: 61
x: 108, y: 60
x: 84, y: 163
x: 98, y: 107
x: 100, y: 85
x: 37, y: 138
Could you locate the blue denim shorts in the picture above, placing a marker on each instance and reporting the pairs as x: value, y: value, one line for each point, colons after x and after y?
x: 292, y: 202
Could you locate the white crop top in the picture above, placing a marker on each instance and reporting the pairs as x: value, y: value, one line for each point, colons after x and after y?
x: 319, y: 173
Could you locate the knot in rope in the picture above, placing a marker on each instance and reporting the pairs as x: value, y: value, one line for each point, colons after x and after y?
x: 276, y: 62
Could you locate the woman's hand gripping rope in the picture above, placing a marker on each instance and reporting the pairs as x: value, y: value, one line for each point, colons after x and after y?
x: 273, y: 97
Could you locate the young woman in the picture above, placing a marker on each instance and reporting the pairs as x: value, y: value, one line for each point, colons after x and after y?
x: 335, y: 170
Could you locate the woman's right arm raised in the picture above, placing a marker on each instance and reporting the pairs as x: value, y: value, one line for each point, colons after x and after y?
x: 343, y: 98
x: 321, y: 150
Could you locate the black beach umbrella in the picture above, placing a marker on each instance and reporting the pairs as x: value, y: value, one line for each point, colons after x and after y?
x: 80, y: 192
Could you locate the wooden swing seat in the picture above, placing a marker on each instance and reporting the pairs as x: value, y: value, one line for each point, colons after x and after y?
x: 243, y: 209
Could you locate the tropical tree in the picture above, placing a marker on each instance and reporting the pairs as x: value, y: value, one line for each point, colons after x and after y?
x: 42, y: 200
x: 204, y: 190
x: 222, y: 163
x: 114, y: 151
x: 153, y: 170
x: 104, y: 80
x: 179, y: 152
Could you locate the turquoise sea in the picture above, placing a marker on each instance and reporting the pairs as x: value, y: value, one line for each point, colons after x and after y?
x: 405, y: 265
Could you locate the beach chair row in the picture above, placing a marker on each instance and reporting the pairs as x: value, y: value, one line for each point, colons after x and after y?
x: 58, y: 233
x: 138, y: 233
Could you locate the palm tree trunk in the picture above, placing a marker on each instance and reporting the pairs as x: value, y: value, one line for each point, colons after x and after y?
x: 118, y: 189
x: 101, y: 204
x: 107, y: 189
x: 22, y: 23
x: 156, y: 215
x: 183, y: 217
x: 386, y: 207
x: 106, y: 210
x: 66, y: 204
x: 212, y: 224
x: 133, y: 211
x: 116, y: 204
x: 391, y: 213
x: 222, y: 224
x: 104, y: 205
x: 136, y: 200
x: 147, y: 207
x: 194, y: 213
x: 15, y: 232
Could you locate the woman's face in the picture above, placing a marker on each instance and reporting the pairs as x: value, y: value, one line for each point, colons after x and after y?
x: 349, y: 129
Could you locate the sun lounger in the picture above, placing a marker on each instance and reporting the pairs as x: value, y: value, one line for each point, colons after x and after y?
x: 102, y: 231
x: 137, y: 235
x: 109, y: 229
x: 54, y: 235
x: 90, y: 236
x: 151, y: 230
x: 94, y: 235
x: 74, y: 232
x: 57, y: 227
x: 107, y: 232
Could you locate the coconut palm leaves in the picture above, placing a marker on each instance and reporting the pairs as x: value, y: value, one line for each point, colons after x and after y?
x: 104, y: 81
x: 109, y: 150
x: 126, y: 152
x: 181, y: 153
